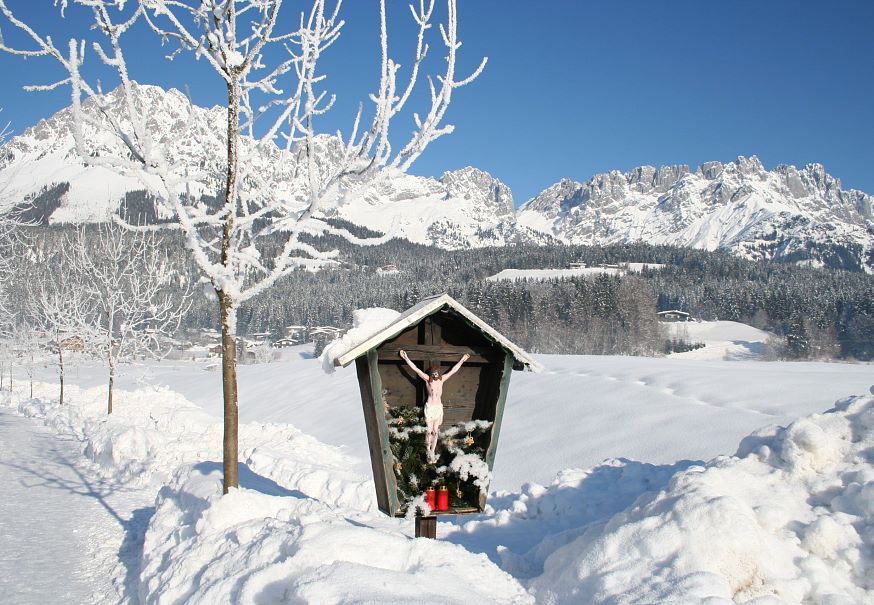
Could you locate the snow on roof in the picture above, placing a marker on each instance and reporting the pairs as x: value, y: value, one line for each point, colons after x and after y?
x: 418, y: 312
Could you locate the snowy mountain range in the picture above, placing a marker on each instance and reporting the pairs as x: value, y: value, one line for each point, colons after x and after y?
x: 788, y: 213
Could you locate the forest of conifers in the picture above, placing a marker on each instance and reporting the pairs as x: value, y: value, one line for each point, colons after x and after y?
x: 814, y: 312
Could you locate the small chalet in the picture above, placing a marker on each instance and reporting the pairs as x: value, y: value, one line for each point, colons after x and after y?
x: 674, y: 316
x: 436, y: 332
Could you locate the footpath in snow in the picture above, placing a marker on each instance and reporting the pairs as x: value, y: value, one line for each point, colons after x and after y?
x: 61, y: 528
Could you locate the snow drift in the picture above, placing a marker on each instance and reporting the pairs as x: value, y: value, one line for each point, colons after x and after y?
x: 253, y: 547
x: 789, y: 519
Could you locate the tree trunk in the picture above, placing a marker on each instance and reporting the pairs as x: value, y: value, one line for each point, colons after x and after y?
x: 111, y: 382
x: 110, y: 323
x: 229, y: 389
x: 226, y: 303
x: 61, y: 366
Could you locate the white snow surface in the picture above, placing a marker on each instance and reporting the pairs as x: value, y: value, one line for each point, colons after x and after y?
x: 788, y: 519
x: 729, y: 340
x: 53, y: 511
x: 615, y: 483
x: 544, y: 274
x: 365, y: 323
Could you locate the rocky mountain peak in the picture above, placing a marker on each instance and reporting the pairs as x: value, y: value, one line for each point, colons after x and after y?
x: 787, y: 212
x: 739, y: 206
x: 480, y: 187
x: 749, y: 166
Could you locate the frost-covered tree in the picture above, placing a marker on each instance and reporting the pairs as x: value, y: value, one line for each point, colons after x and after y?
x: 28, y: 347
x: 128, y: 278
x: 8, y: 223
x: 58, y: 306
x: 275, y: 95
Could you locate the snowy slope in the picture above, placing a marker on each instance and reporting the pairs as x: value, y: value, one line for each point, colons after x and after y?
x: 729, y: 340
x: 656, y: 410
x: 547, y: 274
x: 785, y: 213
x: 464, y: 208
x: 785, y: 520
x: 452, y: 212
x: 46, y: 155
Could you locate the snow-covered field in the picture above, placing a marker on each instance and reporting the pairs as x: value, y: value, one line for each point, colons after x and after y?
x: 727, y: 340
x: 544, y: 274
x: 618, y: 480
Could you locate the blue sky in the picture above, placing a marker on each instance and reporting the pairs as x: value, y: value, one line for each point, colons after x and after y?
x: 573, y: 88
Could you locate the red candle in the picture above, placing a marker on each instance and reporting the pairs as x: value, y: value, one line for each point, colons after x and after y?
x: 442, y: 498
x: 429, y: 498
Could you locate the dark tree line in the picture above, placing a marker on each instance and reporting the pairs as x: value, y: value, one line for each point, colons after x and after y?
x: 816, y: 312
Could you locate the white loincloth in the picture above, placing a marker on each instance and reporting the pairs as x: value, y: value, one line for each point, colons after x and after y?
x: 434, y: 412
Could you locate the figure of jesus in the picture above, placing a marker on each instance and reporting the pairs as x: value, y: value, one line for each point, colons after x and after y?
x: 434, y: 404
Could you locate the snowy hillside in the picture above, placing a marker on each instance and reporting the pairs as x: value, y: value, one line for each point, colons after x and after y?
x: 45, y: 155
x: 607, y: 494
x: 728, y: 340
x: 545, y: 274
x: 785, y: 213
x: 451, y: 212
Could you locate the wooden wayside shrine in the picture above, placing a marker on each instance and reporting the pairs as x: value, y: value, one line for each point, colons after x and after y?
x: 435, y: 332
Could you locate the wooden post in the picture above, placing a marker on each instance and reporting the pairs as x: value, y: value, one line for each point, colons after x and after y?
x: 426, y: 526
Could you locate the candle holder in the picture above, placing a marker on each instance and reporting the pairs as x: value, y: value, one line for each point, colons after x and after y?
x: 442, y: 498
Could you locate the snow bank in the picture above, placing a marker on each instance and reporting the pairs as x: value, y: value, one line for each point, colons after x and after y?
x: 301, y: 528
x: 256, y: 547
x: 154, y: 430
x: 365, y: 323
x: 789, y: 519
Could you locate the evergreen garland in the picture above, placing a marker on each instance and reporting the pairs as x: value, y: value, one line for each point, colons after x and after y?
x: 462, y: 452
x: 406, y: 426
x: 460, y: 465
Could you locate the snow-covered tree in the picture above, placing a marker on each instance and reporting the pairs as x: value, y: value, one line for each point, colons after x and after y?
x: 58, y: 306
x: 8, y: 223
x: 275, y: 95
x: 29, y: 348
x: 133, y: 308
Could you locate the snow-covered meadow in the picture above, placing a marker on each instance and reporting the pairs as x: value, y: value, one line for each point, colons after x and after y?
x: 617, y: 480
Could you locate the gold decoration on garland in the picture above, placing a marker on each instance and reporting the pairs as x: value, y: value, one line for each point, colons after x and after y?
x: 412, y: 472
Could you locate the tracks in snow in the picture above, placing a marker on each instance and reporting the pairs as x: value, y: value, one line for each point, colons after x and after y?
x: 68, y: 536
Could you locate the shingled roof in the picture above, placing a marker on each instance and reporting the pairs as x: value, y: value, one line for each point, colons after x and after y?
x: 427, y: 307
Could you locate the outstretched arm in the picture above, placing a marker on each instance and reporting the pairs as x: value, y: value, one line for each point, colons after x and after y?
x: 456, y: 367
x: 421, y: 374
